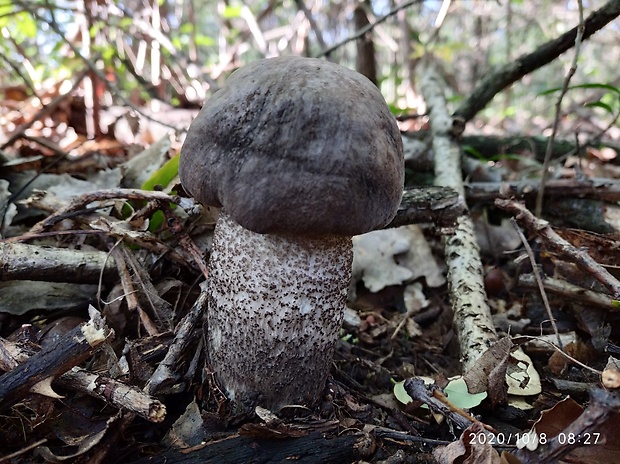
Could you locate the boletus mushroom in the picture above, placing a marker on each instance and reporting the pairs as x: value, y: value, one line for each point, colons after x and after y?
x: 300, y: 154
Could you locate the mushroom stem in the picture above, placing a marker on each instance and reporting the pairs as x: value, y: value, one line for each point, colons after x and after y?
x: 276, y: 304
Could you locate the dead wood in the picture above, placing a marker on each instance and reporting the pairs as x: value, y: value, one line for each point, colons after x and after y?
x: 115, y: 393
x: 472, y: 315
x: 439, y: 205
x: 492, y: 146
x: 557, y: 244
x: 57, y: 358
x: 19, y: 261
x: 190, y: 328
x: 419, y: 391
x: 599, y: 189
x: 569, y: 291
x: 311, y: 449
x: 417, y: 152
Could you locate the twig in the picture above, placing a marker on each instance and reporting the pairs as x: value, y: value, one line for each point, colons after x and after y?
x: 597, y: 188
x: 552, y: 240
x: 438, y: 403
x: 119, y: 255
x: 568, y: 290
x: 255, y: 30
x: 20, y: 261
x: 115, y: 393
x: 32, y: 446
x: 440, y: 205
x: 558, y: 112
x: 439, y: 20
x: 313, y: 25
x: 188, y: 330
x: 80, y: 202
x: 541, y: 288
x: 70, y: 350
x: 558, y: 349
x: 186, y: 242
x: 93, y: 69
x: 368, y: 28
x: 18, y: 71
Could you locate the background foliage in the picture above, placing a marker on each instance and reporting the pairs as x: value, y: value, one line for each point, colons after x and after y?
x: 180, y: 51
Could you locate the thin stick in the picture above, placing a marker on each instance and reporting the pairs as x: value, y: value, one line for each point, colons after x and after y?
x: 313, y: 25
x: 541, y: 287
x: 561, y: 351
x: 23, y: 450
x: 557, y: 244
x: 368, y: 28
x: 558, y: 111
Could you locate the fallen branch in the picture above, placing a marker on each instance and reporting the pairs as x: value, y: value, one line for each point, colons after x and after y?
x: 439, y: 205
x: 570, y: 291
x: 187, y: 332
x: 472, y: 315
x: 19, y: 261
x: 115, y: 393
x: 600, y: 189
x: 112, y: 392
x: 310, y: 449
x: 70, y: 350
x: 557, y: 244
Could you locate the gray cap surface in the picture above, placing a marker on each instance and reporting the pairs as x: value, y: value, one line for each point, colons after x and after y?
x: 295, y: 145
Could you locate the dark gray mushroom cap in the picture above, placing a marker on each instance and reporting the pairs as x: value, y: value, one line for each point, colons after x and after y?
x: 296, y: 145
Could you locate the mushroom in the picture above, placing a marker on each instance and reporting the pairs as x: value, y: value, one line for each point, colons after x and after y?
x: 300, y: 154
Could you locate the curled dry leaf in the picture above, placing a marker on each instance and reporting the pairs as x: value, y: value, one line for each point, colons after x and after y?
x: 469, y: 449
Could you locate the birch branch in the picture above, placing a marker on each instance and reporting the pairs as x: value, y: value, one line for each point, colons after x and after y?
x: 472, y: 315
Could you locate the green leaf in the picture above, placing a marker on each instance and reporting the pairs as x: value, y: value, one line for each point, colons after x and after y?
x: 231, y: 12
x: 609, y: 87
x: 600, y: 104
x: 164, y: 175
x: 24, y: 25
x: 473, y: 151
x: 7, y: 11
x: 204, y: 40
x: 186, y: 28
x: 456, y: 391
x: 125, y: 23
x: 400, y: 393
x: 157, y: 219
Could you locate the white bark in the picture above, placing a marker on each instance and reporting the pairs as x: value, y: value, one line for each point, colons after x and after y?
x: 275, y: 306
x: 472, y: 315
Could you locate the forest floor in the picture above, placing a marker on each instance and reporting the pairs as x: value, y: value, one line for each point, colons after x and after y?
x: 398, y: 325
